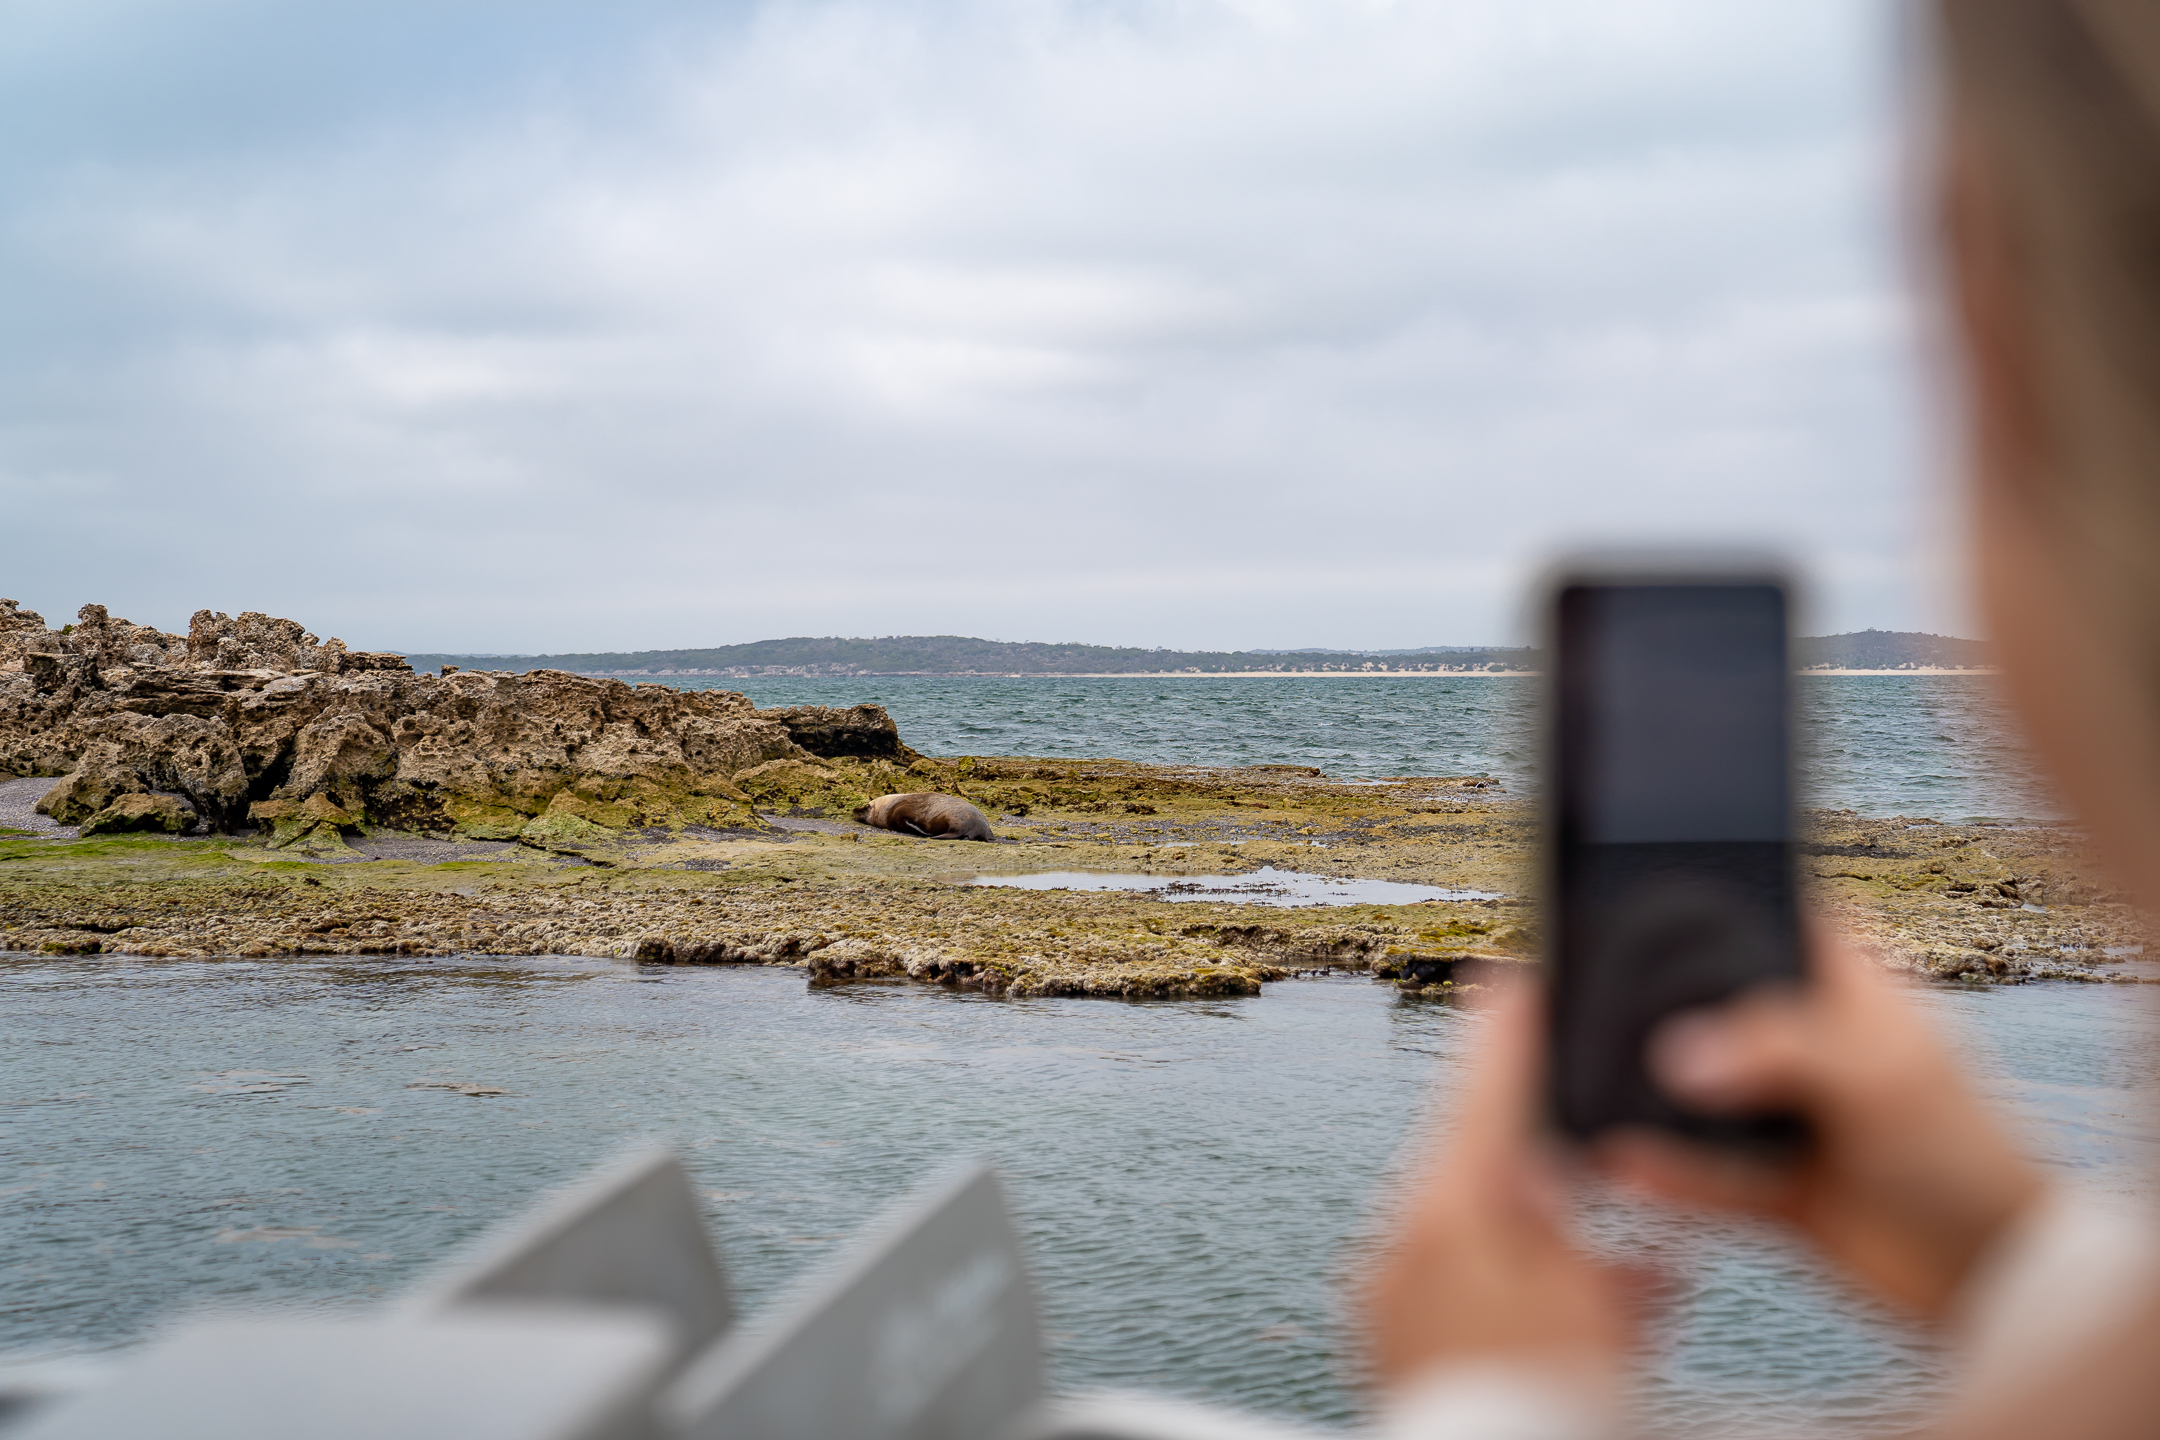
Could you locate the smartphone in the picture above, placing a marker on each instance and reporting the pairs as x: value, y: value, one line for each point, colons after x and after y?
x: 1668, y: 828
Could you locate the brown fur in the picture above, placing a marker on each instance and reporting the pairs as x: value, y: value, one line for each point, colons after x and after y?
x: 933, y: 816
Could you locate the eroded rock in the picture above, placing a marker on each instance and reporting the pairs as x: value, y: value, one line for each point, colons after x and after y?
x: 155, y: 814
x: 253, y: 720
x: 860, y: 732
x: 95, y: 783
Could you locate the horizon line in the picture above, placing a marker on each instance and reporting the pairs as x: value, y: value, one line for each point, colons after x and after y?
x: 1096, y: 645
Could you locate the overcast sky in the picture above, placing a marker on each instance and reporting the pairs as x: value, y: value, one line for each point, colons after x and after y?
x: 1203, y: 323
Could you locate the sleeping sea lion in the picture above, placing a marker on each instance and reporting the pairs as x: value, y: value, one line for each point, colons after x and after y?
x: 927, y: 814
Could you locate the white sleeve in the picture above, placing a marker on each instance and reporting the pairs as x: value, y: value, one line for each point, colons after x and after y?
x: 1493, y: 1401
x: 2068, y: 1270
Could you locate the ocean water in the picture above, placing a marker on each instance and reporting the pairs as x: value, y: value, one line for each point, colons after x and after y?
x: 1938, y: 746
x: 1194, y: 1180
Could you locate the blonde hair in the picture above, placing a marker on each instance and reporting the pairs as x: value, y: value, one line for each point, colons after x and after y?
x: 2063, y: 99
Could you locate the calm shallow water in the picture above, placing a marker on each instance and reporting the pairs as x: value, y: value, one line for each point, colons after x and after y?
x: 1940, y: 746
x: 1193, y: 1178
x: 1264, y: 886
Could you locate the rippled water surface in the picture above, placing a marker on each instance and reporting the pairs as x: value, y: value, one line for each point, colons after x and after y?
x: 1941, y: 746
x: 1264, y: 886
x: 1193, y: 1178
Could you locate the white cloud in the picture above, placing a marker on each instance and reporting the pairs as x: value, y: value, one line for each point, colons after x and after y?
x: 1198, y: 324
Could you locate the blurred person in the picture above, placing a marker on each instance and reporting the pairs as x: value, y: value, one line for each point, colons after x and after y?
x: 1485, y: 1318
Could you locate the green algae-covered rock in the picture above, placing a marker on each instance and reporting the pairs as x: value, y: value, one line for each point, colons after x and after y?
x: 314, y: 824
x: 562, y: 826
x: 91, y: 787
x: 155, y: 814
x: 478, y: 820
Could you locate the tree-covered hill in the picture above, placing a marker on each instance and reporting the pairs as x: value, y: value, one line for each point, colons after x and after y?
x: 1891, y: 650
x: 961, y: 655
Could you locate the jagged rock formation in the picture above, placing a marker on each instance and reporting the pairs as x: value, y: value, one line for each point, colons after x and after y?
x: 159, y: 814
x: 253, y: 721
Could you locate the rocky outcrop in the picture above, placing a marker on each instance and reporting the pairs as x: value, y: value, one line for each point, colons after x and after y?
x: 253, y: 721
x: 18, y: 629
x: 1150, y: 978
x: 157, y: 814
x: 860, y: 732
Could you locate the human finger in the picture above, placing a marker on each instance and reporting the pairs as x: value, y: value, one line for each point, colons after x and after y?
x: 1498, y: 1104
x: 1787, y: 1047
x: 1756, y: 1053
x: 1667, y: 1168
x: 1482, y: 1264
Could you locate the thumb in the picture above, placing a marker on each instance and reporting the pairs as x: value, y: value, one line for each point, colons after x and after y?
x: 1500, y: 1108
x: 1755, y: 1054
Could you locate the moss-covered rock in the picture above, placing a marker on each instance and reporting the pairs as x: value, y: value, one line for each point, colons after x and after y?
x: 92, y: 786
x: 562, y: 825
x: 1970, y: 904
x: 145, y: 813
x: 476, y: 819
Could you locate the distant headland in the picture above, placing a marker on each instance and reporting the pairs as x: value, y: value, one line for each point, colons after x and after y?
x: 893, y: 655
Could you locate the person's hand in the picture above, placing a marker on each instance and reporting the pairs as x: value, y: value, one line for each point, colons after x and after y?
x: 1481, y: 1268
x: 1910, y: 1175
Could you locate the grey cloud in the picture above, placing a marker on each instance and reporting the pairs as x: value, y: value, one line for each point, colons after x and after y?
x: 1207, y: 324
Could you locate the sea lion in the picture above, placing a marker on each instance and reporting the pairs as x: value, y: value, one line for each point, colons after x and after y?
x: 933, y: 816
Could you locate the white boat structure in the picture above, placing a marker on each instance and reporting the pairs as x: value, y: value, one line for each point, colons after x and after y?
x: 606, y: 1315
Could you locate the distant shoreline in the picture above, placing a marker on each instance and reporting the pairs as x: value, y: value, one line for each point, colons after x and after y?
x: 664, y: 675
x: 1914, y: 670
x: 879, y: 657
x: 1074, y: 675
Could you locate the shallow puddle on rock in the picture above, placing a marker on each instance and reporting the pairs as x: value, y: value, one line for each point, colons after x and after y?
x: 1265, y: 886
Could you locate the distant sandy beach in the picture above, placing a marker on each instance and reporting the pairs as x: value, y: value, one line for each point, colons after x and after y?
x: 1295, y: 674
x: 1074, y: 675
x: 1400, y: 674
x: 664, y: 675
x: 1282, y: 675
x: 1915, y: 670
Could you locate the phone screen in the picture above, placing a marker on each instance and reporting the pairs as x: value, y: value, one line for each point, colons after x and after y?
x: 1670, y: 821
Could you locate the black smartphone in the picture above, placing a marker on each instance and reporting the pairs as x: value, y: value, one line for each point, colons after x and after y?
x: 1668, y: 828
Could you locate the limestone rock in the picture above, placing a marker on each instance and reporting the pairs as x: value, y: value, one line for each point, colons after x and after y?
x: 254, y: 715
x: 100, y: 779
x: 255, y: 641
x: 113, y: 644
x: 18, y: 629
x: 179, y: 753
x: 50, y: 672
x: 315, y: 823
x: 339, y: 752
x: 13, y: 618
x: 95, y: 643
x: 159, y: 814
x: 849, y: 961
x: 861, y: 732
